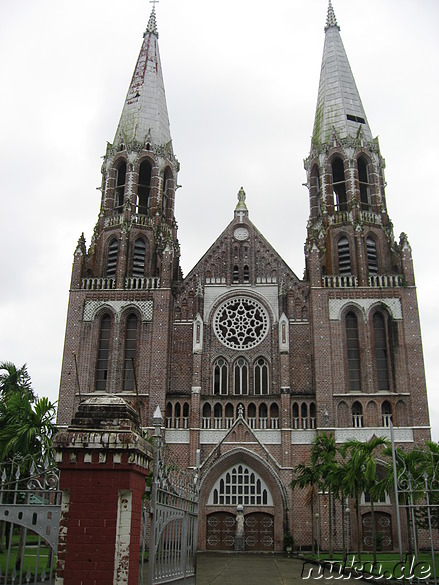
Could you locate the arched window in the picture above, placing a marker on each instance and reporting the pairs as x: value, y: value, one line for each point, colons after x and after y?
x: 261, y: 376
x: 353, y: 351
x: 246, y: 273
x: 139, y: 258
x: 177, y: 415
x: 144, y: 187
x: 207, y: 413
x: 169, y: 415
x: 381, y: 351
x: 363, y: 179
x: 240, y: 485
x: 274, y: 416
x: 103, y: 353
x: 235, y: 273
x: 263, y: 416
x: 185, y: 415
x: 357, y: 415
x: 304, y: 415
x: 344, y: 256
x: 295, y: 416
x: 229, y: 415
x: 121, y: 175
x: 220, y: 376
x: 386, y: 412
x: 372, y: 261
x: 241, y: 376
x: 312, y: 415
x: 113, y: 249
x: 339, y: 185
x: 251, y: 415
x: 130, y: 353
x: 217, y: 416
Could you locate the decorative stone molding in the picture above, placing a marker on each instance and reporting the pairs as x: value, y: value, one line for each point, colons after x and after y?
x: 402, y: 435
x: 284, y: 334
x: 336, y: 306
x: 303, y: 437
x: 177, y: 436
x: 198, y: 334
x: 92, y: 307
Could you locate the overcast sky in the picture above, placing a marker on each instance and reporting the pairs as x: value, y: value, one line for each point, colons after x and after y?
x: 241, y: 80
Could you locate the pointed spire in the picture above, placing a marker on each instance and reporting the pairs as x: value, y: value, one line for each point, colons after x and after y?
x: 339, y: 106
x: 144, y: 117
x: 331, y: 19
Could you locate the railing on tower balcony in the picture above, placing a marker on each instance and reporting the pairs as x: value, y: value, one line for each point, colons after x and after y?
x: 217, y: 422
x: 105, y: 283
x: 229, y: 422
x: 251, y: 422
x: 263, y: 422
x: 340, y: 217
x: 371, y: 217
x: 139, y: 219
x: 206, y: 422
x: 114, y: 220
x: 386, y: 420
x: 357, y: 420
x: 295, y: 422
x: 347, y: 281
x: 274, y: 422
x: 141, y: 283
x: 386, y: 280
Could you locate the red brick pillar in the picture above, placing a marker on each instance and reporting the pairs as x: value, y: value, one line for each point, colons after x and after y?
x: 103, y: 461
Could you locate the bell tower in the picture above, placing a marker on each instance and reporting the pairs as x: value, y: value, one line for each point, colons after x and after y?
x: 348, y: 223
x: 120, y: 297
x: 362, y: 290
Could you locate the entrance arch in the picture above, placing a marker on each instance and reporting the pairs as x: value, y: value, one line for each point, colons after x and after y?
x: 241, y: 477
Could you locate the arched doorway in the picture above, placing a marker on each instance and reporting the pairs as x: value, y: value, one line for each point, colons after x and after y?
x: 383, y: 531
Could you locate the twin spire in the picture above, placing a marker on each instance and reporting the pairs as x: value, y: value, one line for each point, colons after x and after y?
x: 339, y: 106
x: 145, y: 117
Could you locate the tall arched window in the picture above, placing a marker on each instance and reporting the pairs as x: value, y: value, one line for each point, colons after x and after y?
x: 177, y: 415
x: 363, y: 178
x: 315, y: 191
x: 113, y: 249
x: 166, y: 192
x: 229, y: 415
x: 241, y: 376
x: 246, y: 273
x: 261, y: 376
x: 130, y: 353
x: 353, y: 351
x: 381, y: 351
x: 169, y: 415
x: 344, y: 256
x: 185, y: 415
x: 372, y: 261
x: 139, y: 258
x: 339, y: 185
x: 144, y: 187
x: 357, y: 415
x: 220, y: 376
x: 251, y: 415
x: 103, y: 353
x: 121, y: 175
x: 312, y: 415
x: 274, y: 416
x: 235, y: 273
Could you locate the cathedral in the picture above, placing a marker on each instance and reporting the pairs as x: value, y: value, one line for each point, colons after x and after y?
x: 246, y: 361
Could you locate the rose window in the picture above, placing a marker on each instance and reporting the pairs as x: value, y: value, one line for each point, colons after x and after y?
x: 241, y: 323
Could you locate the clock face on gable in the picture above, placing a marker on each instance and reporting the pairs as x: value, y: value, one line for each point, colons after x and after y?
x: 241, y: 233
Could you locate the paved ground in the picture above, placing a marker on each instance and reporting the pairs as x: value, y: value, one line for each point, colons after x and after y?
x: 254, y: 569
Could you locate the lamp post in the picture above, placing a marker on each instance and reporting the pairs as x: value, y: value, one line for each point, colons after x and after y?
x: 318, y: 536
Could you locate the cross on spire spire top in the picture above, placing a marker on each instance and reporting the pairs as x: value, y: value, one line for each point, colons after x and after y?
x: 331, y: 19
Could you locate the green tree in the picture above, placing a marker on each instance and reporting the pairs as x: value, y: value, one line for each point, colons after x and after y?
x: 362, y: 478
x: 323, y: 458
x: 13, y: 380
x: 307, y: 478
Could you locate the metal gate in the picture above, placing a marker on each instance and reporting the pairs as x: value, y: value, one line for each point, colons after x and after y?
x: 174, y: 521
x: 30, y: 508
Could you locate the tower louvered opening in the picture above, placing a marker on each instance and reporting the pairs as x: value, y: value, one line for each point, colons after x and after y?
x: 372, y: 260
x: 112, y: 257
x: 139, y: 258
x: 344, y: 256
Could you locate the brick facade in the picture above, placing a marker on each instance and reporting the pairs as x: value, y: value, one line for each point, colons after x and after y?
x: 246, y: 360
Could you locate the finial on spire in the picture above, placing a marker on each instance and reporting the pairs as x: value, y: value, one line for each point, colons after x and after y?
x: 241, y: 207
x: 331, y: 20
x: 152, y: 23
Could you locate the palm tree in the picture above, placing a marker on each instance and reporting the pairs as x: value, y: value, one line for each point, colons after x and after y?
x: 323, y: 458
x: 14, y: 380
x: 307, y: 477
x: 363, y: 466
